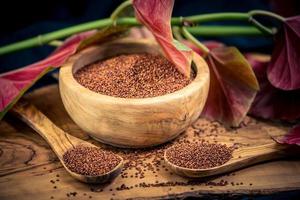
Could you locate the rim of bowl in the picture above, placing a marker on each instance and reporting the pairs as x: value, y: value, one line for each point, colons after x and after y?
x: 200, y: 80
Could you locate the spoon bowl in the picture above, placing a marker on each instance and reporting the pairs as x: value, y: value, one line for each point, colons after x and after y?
x: 102, y: 178
x: 242, y: 157
x: 59, y: 140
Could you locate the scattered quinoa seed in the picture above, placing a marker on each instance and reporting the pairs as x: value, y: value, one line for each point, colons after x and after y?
x: 140, y: 164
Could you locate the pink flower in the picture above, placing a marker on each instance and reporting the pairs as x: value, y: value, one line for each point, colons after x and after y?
x: 233, y: 85
x: 284, y: 68
x: 156, y: 16
x: 15, y: 83
x: 292, y: 137
x: 271, y: 102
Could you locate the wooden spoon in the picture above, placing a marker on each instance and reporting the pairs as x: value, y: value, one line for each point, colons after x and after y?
x: 59, y: 140
x: 242, y: 157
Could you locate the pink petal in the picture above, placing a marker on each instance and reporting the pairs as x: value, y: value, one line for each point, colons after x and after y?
x: 13, y: 84
x: 292, y: 137
x: 233, y: 86
x: 156, y: 16
x: 284, y: 68
x: 271, y: 102
x: 74, y: 40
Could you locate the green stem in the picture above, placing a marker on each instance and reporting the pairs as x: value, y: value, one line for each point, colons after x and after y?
x: 130, y: 21
x: 194, y: 40
x: 55, y: 43
x: 265, y: 13
x: 48, y: 37
x: 119, y: 9
x: 227, y: 31
x: 212, y: 17
x: 259, y: 25
x: 176, y: 33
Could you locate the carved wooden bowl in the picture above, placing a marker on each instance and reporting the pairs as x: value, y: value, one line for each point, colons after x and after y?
x: 125, y: 122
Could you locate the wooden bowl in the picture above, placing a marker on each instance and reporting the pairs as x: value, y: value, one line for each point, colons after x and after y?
x: 128, y: 122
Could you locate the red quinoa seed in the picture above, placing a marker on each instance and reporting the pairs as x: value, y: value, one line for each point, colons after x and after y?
x: 199, y: 155
x: 132, y: 76
x: 90, y: 161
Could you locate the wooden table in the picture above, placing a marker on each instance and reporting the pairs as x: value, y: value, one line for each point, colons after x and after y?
x: 30, y: 170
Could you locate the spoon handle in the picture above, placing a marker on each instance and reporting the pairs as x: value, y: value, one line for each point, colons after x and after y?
x: 262, y: 152
x: 59, y: 140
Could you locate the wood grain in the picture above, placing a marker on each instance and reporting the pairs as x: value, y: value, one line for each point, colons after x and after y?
x: 131, y: 122
x: 30, y: 170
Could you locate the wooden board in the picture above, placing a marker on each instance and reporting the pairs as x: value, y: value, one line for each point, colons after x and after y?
x: 30, y: 170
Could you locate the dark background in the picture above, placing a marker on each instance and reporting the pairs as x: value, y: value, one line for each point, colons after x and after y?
x: 24, y: 19
x: 27, y: 18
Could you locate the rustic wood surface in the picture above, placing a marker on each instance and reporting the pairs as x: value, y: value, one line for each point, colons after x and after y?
x: 30, y: 170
